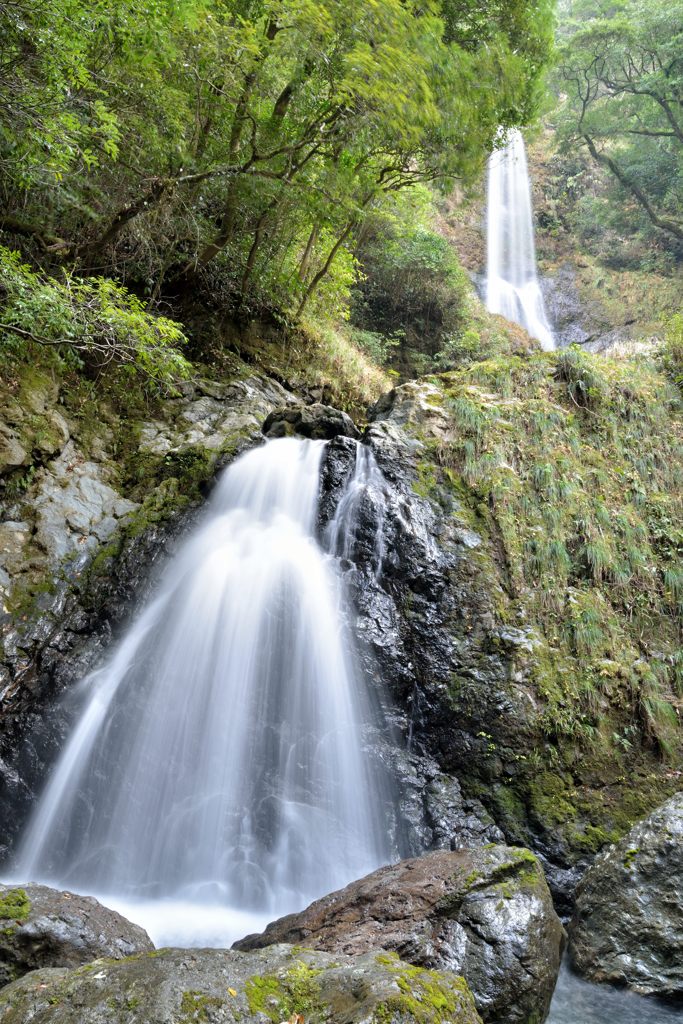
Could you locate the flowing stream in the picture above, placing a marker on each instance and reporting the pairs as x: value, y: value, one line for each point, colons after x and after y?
x: 512, y: 286
x: 579, y: 1002
x: 215, y: 776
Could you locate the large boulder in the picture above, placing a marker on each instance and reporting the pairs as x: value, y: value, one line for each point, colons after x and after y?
x: 317, y: 421
x: 42, y: 927
x: 486, y: 914
x: 627, y: 927
x: 179, y: 986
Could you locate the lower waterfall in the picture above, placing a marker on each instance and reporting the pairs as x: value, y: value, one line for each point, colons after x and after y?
x: 215, y: 776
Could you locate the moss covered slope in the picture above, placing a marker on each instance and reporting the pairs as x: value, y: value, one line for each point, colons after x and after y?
x: 568, y: 466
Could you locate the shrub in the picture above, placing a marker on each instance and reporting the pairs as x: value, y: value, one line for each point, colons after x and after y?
x: 89, y: 322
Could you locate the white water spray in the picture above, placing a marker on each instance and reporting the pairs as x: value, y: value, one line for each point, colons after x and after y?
x: 217, y: 769
x: 512, y: 286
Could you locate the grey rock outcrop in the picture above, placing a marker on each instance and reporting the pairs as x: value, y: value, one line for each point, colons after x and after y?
x: 628, y: 923
x: 75, y: 508
x: 178, y: 986
x: 318, y: 422
x: 486, y: 914
x: 212, y: 413
x: 42, y: 927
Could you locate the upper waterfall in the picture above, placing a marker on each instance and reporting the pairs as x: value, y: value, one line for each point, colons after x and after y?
x: 512, y: 286
x: 217, y: 758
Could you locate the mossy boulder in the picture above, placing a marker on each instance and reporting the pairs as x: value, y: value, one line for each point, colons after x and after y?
x: 213, y: 986
x: 628, y: 923
x: 43, y: 927
x: 484, y: 913
x: 317, y: 421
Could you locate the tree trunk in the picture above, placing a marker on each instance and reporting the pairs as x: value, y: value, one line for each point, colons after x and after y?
x: 673, y: 227
x: 226, y: 227
x: 325, y: 267
x: 251, y: 258
x: 308, y: 252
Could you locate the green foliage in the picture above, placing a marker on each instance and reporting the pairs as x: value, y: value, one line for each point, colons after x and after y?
x: 243, y: 145
x: 586, y: 383
x: 412, y: 293
x: 621, y: 78
x: 672, y: 352
x: 86, y: 321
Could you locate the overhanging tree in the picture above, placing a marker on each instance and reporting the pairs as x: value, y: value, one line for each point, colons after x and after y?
x: 622, y: 69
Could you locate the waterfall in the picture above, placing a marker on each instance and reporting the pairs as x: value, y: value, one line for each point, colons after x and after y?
x: 512, y: 286
x: 216, y: 768
x: 367, y: 484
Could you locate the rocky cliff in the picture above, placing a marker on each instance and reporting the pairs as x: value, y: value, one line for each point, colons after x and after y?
x: 521, y: 627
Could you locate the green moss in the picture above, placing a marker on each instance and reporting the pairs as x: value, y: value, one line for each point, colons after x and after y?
x: 196, y: 1007
x: 26, y: 595
x: 15, y: 905
x: 532, y: 878
x: 104, y: 556
x: 520, y: 856
x: 630, y: 856
x: 295, y: 991
x: 264, y: 993
x: 550, y: 795
x: 592, y: 838
x: 426, y: 997
x: 425, y: 485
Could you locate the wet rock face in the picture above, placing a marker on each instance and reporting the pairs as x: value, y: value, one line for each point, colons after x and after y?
x: 42, y: 927
x: 401, y: 637
x: 486, y: 914
x: 428, y: 630
x: 318, y: 422
x: 628, y: 923
x: 177, y: 986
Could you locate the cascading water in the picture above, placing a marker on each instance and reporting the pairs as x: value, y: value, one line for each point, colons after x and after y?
x: 216, y: 774
x: 366, y: 484
x: 512, y: 286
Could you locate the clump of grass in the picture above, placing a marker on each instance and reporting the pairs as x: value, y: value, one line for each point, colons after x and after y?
x: 576, y: 462
x: 347, y: 374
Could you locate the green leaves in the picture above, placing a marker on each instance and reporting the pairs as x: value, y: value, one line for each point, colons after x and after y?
x: 268, y: 121
x: 93, y: 320
x: 622, y: 72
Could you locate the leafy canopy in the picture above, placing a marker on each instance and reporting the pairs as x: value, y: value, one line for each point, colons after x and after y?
x: 621, y: 64
x: 245, y: 141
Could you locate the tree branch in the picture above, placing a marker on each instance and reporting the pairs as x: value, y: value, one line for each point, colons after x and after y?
x: 665, y: 223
